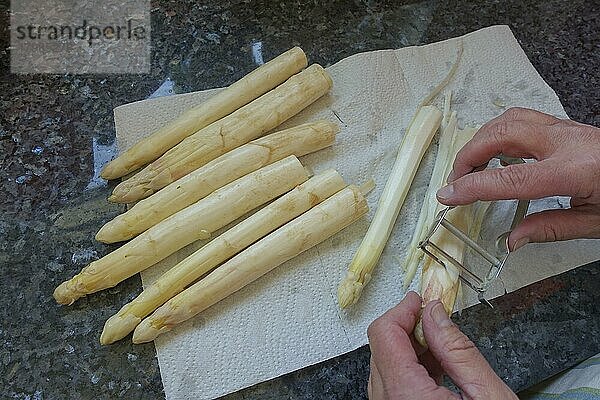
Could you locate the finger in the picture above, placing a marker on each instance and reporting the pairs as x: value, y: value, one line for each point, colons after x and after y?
x: 553, y: 225
x: 405, y: 313
x: 375, y: 385
x: 529, y: 115
x: 521, y: 181
x: 459, y: 357
x: 389, y: 340
x: 393, y: 354
x: 511, y: 138
x: 432, y: 365
x: 518, y: 114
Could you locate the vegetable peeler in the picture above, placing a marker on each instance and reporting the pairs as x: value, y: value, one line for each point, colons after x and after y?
x: 466, y: 275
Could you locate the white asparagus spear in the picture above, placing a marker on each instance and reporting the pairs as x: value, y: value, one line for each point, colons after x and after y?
x: 299, y: 140
x: 188, y: 225
x: 223, y: 247
x: 298, y: 235
x: 430, y: 206
x: 251, y: 86
x: 412, y: 148
x: 245, y: 124
x: 438, y: 282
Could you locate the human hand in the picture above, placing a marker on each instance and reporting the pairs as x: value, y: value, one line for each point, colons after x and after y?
x: 568, y: 164
x: 401, y: 369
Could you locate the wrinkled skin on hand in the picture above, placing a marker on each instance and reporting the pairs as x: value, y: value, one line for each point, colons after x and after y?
x: 403, y: 370
x: 567, y: 155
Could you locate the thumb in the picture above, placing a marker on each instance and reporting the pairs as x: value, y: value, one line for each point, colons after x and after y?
x: 552, y: 225
x: 459, y: 357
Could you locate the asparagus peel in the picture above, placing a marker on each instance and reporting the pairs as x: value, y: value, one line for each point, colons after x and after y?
x: 302, y: 233
x: 261, y: 223
x: 241, y: 126
x: 188, y: 225
x: 299, y: 140
x: 251, y: 86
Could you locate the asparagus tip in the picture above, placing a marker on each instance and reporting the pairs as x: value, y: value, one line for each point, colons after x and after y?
x: 102, y: 235
x: 108, y: 172
x: 64, y: 295
x: 117, y: 327
x: 349, y: 290
x: 145, y: 332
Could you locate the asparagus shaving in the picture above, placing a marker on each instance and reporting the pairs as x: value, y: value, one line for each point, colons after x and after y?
x: 295, y: 237
x: 430, y: 205
x: 431, y: 96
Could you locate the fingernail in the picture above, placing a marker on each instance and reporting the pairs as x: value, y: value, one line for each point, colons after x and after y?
x: 520, y: 243
x: 439, y: 316
x: 446, y: 192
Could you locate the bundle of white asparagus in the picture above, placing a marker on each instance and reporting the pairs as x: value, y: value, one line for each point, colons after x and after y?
x: 207, y: 168
x: 299, y: 140
x: 243, y: 125
x: 192, y: 223
x: 304, y: 232
x: 223, y: 247
x: 256, y: 83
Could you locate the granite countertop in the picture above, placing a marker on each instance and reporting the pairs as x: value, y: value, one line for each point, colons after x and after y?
x: 56, y: 131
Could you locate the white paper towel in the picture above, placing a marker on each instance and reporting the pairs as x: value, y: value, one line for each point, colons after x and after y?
x: 289, y: 318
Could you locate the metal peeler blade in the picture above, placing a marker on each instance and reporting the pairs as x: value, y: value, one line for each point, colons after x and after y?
x: 466, y: 275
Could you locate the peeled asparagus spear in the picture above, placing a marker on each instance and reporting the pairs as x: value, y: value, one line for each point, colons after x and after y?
x: 304, y: 232
x: 412, y: 148
x: 299, y: 140
x: 243, y: 125
x: 261, y: 223
x: 251, y: 86
x: 188, y: 225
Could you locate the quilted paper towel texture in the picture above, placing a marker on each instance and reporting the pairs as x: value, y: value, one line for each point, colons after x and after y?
x: 289, y: 318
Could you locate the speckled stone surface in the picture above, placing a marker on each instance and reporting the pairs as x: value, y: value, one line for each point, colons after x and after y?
x: 56, y: 131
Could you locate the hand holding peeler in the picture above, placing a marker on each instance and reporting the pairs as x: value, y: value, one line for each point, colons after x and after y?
x: 466, y: 275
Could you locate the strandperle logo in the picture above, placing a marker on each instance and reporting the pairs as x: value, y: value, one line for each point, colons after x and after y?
x: 80, y: 37
x: 129, y: 31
